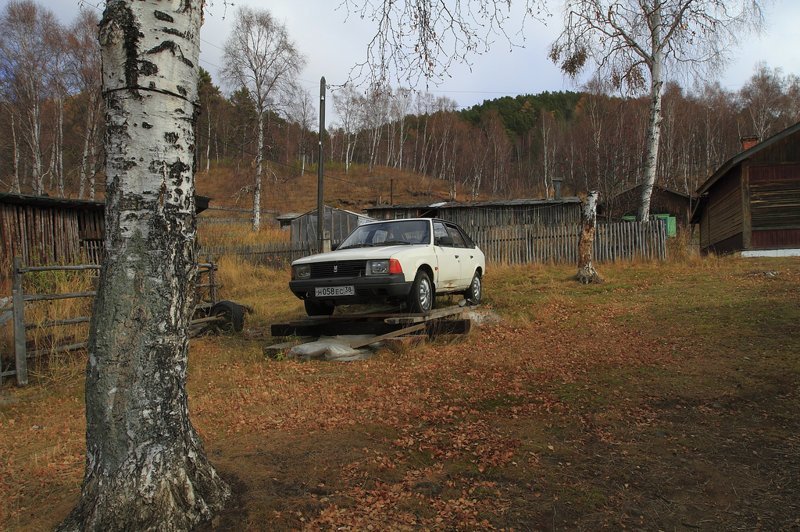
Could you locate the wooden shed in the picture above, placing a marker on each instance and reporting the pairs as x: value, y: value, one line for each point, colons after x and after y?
x: 338, y: 223
x: 664, y: 202
x: 752, y: 202
x: 549, y: 212
x: 46, y: 230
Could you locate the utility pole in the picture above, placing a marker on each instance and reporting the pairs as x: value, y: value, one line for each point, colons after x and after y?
x: 322, y: 241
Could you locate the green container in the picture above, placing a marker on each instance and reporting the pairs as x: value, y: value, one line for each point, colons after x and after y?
x: 672, y: 222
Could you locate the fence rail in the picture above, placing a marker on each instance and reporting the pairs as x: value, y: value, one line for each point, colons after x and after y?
x: 521, y: 244
x: 19, y: 298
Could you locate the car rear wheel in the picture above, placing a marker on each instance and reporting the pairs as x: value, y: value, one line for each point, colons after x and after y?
x: 420, y: 299
x: 475, y: 291
x: 318, y: 308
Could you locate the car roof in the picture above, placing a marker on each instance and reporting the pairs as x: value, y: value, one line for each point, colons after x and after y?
x: 420, y: 219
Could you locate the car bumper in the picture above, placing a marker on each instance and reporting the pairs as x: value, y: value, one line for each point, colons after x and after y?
x: 367, y: 289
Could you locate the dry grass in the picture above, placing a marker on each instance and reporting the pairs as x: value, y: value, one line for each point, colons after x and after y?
x: 239, y: 235
x: 47, y: 366
x: 665, y: 398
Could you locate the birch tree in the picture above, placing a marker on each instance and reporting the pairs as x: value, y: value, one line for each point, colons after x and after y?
x: 635, y: 42
x: 303, y: 112
x: 416, y: 39
x: 83, y: 72
x: 767, y: 99
x: 145, y: 464
x: 26, y: 63
x: 347, y: 103
x: 260, y: 56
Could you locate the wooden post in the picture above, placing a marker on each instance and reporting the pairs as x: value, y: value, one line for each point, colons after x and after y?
x: 212, y: 281
x: 19, y: 325
x: 586, y: 272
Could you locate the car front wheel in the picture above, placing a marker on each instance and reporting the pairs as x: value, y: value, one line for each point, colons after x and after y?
x: 420, y: 299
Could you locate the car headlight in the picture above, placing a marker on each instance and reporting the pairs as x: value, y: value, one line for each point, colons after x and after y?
x: 383, y: 267
x: 377, y: 267
x: 301, y: 271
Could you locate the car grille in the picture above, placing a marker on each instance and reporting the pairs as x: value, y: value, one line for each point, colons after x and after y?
x: 345, y: 268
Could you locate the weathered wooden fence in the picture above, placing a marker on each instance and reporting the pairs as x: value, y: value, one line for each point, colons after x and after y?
x: 533, y: 243
x: 519, y: 244
x: 205, y: 289
x: 274, y: 254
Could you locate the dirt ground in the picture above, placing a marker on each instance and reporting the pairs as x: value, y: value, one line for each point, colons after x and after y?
x: 667, y: 398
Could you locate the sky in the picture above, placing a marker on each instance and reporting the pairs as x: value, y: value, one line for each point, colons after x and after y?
x: 333, y: 43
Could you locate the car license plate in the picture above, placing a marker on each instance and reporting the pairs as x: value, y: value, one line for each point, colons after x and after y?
x: 334, y: 291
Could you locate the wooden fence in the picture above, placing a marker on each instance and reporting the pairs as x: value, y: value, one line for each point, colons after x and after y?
x: 205, y: 291
x: 520, y: 244
x: 274, y: 254
x: 532, y: 243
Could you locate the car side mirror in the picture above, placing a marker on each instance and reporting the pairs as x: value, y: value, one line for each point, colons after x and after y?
x: 334, y: 246
x: 444, y: 241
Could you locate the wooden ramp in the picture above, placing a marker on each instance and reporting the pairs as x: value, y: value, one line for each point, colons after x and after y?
x: 379, y: 326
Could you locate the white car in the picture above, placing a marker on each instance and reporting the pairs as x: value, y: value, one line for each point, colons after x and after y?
x: 409, y: 260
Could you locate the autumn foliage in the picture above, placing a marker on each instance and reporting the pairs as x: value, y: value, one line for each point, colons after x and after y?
x: 628, y: 404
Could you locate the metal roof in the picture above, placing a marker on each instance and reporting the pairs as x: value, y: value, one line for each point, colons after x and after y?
x: 524, y: 202
x: 201, y: 202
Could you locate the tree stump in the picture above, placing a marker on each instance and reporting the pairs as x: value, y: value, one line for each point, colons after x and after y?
x: 586, y: 272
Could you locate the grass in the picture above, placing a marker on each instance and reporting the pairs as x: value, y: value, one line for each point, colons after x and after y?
x: 665, y: 398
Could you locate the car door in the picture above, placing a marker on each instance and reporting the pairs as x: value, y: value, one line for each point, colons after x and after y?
x: 447, y: 256
x: 464, y: 254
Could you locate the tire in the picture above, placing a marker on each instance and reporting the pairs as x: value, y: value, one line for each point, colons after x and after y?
x: 233, y: 314
x: 318, y: 308
x: 474, y: 293
x: 422, y: 295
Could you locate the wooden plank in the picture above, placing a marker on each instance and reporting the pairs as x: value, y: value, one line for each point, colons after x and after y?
x: 60, y: 349
x: 419, y: 318
x: 355, y: 344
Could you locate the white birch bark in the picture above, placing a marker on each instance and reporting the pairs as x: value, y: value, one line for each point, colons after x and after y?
x: 15, y: 188
x: 655, y: 117
x: 87, y: 139
x: 145, y: 467
x: 586, y: 272
x: 259, y: 173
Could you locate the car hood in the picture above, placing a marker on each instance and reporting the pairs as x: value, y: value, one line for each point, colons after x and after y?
x: 382, y: 252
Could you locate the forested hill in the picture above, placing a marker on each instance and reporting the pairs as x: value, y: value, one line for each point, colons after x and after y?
x: 522, y: 113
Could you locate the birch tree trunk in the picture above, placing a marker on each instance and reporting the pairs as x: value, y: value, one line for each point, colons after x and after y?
x: 88, y: 139
x: 259, y: 171
x: 586, y: 272
x: 653, y: 141
x: 15, y: 188
x: 654, y: 122
x: 146, y: 468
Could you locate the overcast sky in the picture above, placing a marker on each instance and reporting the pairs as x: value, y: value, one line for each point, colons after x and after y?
x: 332, y: 46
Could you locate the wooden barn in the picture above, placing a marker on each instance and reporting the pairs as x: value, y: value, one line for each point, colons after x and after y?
x: 46, y: 230
x: 338, y: 223
x: 752, y: 202
x: 551, y: 212
x: 665, y: 203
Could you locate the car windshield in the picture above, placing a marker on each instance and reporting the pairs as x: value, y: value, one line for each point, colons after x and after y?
x: 395, y: 232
